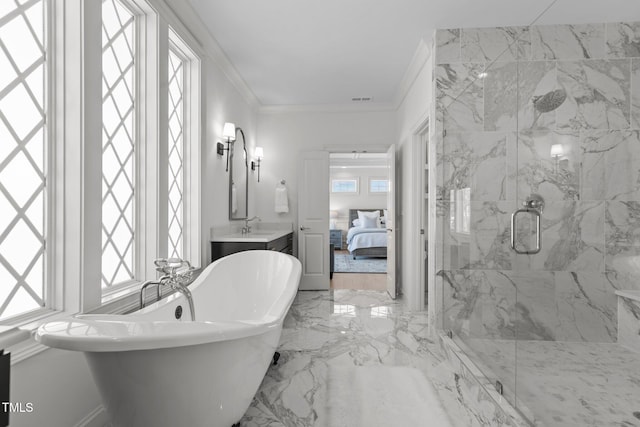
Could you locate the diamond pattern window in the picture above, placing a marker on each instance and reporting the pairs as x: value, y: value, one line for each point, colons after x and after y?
x: 23, y: 142
x: 118, y: 143
x: 176, y: 154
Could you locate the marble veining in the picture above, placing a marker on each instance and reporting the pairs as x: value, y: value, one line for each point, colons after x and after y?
x: 598, y: 94
x: 538, y: 172
x: 348, y: 355
x: 623, y: 40
x: 495, y: 44
x: 622, y: 237
x: 459, y: 95
x: 588, y: 384
x: 510, y: 88
x: 448, y: 46
x: 629, y: 323
x: 549, y: 305
x: 476, y: 161
x: 567, y: 41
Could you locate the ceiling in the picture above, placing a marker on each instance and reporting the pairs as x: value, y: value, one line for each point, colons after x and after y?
x: 302, y: 52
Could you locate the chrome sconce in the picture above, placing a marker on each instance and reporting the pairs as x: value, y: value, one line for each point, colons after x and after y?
x: 259, y: 154
x: 228, y: 132
x: 556, y: 152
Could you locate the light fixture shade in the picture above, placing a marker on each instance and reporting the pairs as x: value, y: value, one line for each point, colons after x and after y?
x: 259, y: 153
x: 229, y: 131
x: 333, y: 214
x: 556, y: 150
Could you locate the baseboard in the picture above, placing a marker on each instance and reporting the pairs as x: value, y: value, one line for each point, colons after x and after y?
x: 96, y: 418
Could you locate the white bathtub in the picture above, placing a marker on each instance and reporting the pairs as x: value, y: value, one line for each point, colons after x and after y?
x: 154, y: 370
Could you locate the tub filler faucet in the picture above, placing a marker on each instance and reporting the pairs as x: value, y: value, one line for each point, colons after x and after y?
x: 247, y: 227
x: 177, y: 274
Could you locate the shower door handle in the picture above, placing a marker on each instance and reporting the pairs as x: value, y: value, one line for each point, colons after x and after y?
x: 536, y: 214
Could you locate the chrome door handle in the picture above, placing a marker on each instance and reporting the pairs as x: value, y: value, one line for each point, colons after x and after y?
x: 302, y: 228
x: 514, y: 215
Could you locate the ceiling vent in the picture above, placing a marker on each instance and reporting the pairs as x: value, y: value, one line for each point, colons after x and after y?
x: 362, y: 99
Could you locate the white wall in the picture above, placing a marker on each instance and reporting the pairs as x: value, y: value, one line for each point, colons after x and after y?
x: 363, y: 200
x: 285, y: 133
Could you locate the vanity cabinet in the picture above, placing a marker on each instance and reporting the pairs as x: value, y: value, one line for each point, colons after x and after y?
x: 220, y: 249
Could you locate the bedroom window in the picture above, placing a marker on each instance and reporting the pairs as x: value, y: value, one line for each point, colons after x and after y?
x: 378, y: 185
x: 345, y: 186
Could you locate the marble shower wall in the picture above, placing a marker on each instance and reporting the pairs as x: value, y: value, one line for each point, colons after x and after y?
x: 493, y: 150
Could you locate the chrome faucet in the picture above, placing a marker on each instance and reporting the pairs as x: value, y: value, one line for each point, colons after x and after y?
x: 143, y: 290
x: 179, y: 287
x: 247, y: 227
x: 175, y: 276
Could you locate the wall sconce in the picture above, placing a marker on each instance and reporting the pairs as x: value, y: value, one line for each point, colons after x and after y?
x: 259, y: 153
x: 229, y: 132
x: 556, y: 152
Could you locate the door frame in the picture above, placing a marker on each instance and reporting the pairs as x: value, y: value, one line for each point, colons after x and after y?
x: 419, y: 152
x: 367, y: 148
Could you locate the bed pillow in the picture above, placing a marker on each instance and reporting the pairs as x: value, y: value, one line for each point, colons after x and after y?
x: 368, y: 219
x: 356, y: 222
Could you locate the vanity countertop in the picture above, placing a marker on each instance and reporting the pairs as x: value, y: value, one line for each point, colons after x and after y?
x: 257, y: 236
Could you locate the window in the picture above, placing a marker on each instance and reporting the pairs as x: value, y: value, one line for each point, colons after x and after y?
x: 111, y: 220
x: 23, y: 157
x: 176, y: 153
x: 344, y: 186
x: 118, y: 143
x: 378, y: 185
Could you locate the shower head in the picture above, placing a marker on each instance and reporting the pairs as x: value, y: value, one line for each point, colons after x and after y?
x: 549, y: 101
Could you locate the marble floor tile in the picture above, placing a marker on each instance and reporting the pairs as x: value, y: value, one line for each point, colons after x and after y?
x: 569, y: 384
x: 357, y: 358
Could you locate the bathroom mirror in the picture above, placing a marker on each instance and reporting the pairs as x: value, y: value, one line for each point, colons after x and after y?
x: 238, y: 178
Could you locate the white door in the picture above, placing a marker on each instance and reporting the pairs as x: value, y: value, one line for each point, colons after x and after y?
x: 391, y: 222
x: 313, y: 219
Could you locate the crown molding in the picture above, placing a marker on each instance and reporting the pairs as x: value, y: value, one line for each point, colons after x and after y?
x: 419, y: 60
x: 329, y: 108
x: 191, y: 21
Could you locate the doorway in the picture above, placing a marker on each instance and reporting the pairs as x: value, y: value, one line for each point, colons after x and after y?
x: 334, y: 240
x: 358, y: 189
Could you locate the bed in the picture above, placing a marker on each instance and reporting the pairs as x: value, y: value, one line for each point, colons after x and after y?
x: 370, y: 242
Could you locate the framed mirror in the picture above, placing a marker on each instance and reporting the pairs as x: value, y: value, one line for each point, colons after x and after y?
x: 238, y: 179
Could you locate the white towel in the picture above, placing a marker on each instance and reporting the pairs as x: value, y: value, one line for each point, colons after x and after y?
x: 282, y: 200
x: 234, y: 199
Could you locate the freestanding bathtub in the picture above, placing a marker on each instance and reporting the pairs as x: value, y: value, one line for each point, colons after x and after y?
x: 154, y: 370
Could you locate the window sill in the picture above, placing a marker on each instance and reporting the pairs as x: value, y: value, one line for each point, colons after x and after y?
x: 122, y: 301
x: 18, y: 339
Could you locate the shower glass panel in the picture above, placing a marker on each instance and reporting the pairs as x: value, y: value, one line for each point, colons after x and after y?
x: 476, y: 196
x: 578, y: 149
x: 543, y: 122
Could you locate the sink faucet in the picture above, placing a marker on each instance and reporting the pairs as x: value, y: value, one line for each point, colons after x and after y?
x: 247, y: 227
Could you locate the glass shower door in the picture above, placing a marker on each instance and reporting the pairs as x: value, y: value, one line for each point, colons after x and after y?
x: 475, y: 198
